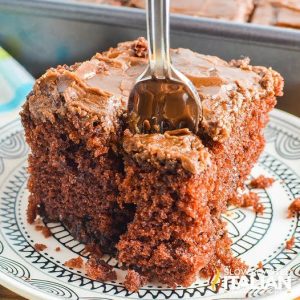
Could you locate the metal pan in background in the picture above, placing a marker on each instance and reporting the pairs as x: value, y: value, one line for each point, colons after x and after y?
x: 44, y: 33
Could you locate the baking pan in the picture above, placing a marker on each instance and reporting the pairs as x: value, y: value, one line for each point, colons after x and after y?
x: 44, y: 33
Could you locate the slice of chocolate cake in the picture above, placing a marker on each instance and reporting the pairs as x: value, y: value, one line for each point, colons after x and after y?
x: 283, y: 13
x: 153, y: 200
x: 231, y: 10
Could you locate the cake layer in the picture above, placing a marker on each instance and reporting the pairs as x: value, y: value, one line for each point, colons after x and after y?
x: 168, y: 150
x: 156, y: 199
x: 284, y: 13
x: 74, y: 176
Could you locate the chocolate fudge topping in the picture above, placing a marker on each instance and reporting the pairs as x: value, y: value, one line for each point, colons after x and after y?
x: 234, y: 10
x: 171, y: 147
x: 284, y: 13
x: 103, y: 84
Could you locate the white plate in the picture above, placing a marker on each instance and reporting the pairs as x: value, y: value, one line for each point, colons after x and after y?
x: 255, y: 238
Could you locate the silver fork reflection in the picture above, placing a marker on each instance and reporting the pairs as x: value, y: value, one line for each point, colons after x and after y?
x: 162, y: 98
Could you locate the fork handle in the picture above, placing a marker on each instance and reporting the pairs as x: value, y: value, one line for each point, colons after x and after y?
x: 158, y: 32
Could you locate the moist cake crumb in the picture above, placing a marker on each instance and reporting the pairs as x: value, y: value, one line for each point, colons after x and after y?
x: 39, y: 247
x: 75, y: 263
x: 250, y: 199
x: 134, y: 281
x: 140, y: 47
x: 290, y: 243
x: 262, y: 182
x: 294, y: 207
x: 98, y: 269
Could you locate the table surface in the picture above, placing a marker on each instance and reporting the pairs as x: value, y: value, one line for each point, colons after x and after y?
x: 6, y: 294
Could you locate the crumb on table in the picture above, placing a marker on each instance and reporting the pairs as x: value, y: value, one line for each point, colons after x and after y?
x: 294, y: 207
x: 261, y: 182
x: 134, y: 281
x: 39, y: 247
x: 98, y: 269
x: 75, y: 263
x: 57, y: 249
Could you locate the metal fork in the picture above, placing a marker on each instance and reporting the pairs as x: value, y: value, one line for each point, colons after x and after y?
x: 162, y: 98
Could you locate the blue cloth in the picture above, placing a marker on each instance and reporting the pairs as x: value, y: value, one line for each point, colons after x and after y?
x: 15, y: 84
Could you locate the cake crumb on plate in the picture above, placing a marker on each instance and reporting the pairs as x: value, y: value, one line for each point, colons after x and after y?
x: 39, y: 227
x: 248, y: 200
x: 260, y: 265
x: 44, y: 229
x: 75, y: 263
x: 46, y: 232
x: 98, y: 269
x: 39, y: 247
x: 290, y: 243
x: 294, y: 207
x: 134, y: 281
x: 262, y: 182
x: 93, y: 248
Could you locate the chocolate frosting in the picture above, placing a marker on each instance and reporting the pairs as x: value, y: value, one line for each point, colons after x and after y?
x: 168, y: 149
x: 224, y: 88
x: 100, y: 88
